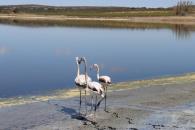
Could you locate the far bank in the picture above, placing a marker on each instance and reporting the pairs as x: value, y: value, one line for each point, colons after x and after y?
x: 185, y: 20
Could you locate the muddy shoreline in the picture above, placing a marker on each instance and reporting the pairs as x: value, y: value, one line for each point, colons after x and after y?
x: 62, y: 94
x: 154, y: 106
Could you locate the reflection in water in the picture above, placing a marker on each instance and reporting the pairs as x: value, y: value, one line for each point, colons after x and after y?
x: 44, y: 58
x: 182, y: 31
x: 3, y: 51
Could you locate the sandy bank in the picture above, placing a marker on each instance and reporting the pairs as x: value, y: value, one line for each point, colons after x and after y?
x: 70, y: 93
x: 165, y: 103
x: 187, y: 20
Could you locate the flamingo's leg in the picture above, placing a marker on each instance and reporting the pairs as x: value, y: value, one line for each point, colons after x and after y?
x: 95, y: 107
x: 105, y: 99
x: 92, y: 102
x: 80, y: 104
x: 85, y: 102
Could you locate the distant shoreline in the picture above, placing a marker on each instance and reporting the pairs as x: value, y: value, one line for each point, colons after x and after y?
x: 185, y: 20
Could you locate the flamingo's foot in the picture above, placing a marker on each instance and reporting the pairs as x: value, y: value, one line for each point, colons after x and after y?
x: 107, y: 111
x: 93, y: 122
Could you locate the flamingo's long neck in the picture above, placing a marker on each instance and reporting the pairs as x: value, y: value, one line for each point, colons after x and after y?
x: 85, y: 71
x: 78, y: 69
x: 98, y: 72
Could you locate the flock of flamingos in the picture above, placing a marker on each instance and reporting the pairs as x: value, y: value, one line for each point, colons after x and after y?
x: 84, y: 82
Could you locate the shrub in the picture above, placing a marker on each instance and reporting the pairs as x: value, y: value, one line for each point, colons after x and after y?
x: 183, y: 8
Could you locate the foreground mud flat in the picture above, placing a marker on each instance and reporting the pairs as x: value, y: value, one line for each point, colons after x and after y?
x: 166, y: 103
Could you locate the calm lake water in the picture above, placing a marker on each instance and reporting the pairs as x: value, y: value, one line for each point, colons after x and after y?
x: 40, y: 59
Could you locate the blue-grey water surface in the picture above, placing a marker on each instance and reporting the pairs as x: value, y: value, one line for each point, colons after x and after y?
x: 40, y: 59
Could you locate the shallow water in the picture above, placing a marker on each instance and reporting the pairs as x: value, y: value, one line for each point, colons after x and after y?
x: 39, y: 59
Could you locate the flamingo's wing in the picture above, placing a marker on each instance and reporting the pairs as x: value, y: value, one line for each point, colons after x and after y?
x: 105, y: 79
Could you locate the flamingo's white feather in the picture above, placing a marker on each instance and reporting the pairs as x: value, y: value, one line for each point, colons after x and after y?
x: 106, y: 79
x: 80, y: 80
x: 96, y: 88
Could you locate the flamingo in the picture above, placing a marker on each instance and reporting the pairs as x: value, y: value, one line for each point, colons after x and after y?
x: 80, y: 80
x: 104, y: 80
x: 95, y: 88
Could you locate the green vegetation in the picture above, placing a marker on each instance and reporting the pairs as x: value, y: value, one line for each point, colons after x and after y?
x: 179, y: 28
x: 181, y: 31
x: 86, y: 11
x: 175, y: 80
x: 85, y: 23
